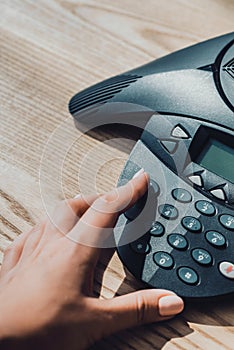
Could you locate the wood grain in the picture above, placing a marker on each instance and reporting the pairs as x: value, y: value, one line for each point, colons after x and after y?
x: 49, y: 51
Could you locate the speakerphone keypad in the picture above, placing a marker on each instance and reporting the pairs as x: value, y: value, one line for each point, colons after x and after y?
x: 201, y: 256
x: 188, y: 241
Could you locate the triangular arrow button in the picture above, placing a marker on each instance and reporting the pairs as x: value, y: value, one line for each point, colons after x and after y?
x: 170, y: 146
x: 179, y: 133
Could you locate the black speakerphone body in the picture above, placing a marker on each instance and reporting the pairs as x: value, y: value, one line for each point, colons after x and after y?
x: 180, y: 234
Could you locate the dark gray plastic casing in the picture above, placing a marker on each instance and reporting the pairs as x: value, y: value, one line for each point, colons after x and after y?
x: 197, y: 81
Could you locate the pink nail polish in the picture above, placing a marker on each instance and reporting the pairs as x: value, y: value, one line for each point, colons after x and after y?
x: 170, y: 305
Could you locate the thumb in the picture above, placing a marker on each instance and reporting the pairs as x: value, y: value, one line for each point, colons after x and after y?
x: 145, y: 306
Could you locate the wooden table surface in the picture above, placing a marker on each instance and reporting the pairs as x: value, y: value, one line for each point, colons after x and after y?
x: 50, y: 49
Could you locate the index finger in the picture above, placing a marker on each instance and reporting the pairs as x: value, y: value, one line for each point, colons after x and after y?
x: 95, y: 227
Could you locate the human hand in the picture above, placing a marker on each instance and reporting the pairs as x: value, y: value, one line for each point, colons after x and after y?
x: 46, y: 280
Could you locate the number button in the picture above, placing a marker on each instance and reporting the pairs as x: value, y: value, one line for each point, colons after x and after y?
x: 181, y: 195
x: 216, y: 239
x: 163, y: 259
x: 168, y: 211
x: 177, y: 241
x: 136, y: 209
x: 140, y: 246
x: 191, y: 224
x: 205, y: 207
x: 188, y: 275
x: 155, y: 187
x: 202, y: 256
x: 157, y: 229
x: 227, y: 221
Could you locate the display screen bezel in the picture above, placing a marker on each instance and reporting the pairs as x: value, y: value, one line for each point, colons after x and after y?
x: 205, y: 158
x: 201, y: 139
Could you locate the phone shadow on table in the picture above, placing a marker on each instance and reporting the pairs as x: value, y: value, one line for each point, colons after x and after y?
x: 155, y: 336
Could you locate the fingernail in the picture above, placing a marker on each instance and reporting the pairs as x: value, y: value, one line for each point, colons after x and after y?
x: 141, y: 171
x: 170, y: 305
x: 77, y: 196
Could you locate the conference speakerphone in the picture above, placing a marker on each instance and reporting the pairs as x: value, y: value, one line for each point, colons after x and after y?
x: 180, y: 234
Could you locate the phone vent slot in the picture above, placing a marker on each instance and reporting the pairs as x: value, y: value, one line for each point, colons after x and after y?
x: 101, y: 92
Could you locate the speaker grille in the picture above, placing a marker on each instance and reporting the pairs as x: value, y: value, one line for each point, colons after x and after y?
x: 101, y: 92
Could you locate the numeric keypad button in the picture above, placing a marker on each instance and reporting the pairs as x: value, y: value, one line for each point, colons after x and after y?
x: 168, y: 211
x: 227, y: 221
x: 177, y: 241
x: 205, y: 207
x: 216, y: 239
x: 155, y: 187
x: 136, y: 209
x: 181, y: 195
x: 157, y: 229
x: 140, y: 247
x: 163, y: 260
x: 188, y: 275
x: 191, y: 224
x: 202, y: 256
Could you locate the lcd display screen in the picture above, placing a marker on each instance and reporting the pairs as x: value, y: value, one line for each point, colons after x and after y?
x: 218, y: 158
